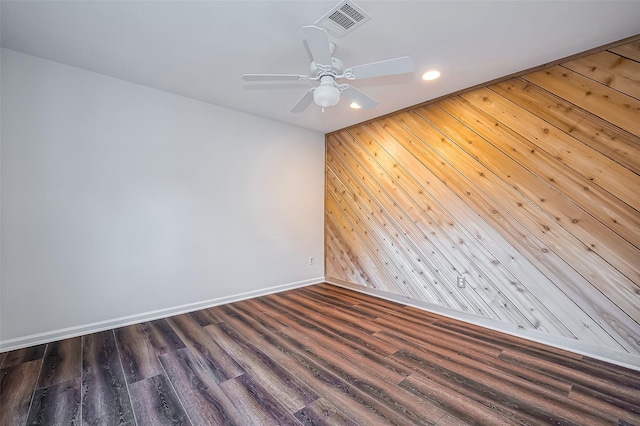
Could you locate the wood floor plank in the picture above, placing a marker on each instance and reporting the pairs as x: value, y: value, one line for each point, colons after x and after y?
x: 354, y: 403
x: 218, y: 363
x: 105, y: 399
x: 432, y: 333
x: 379, y: 365
x: 288, y: 390
x: 58, y: 404
x: 255, y: 404
x: 393, y: 402
x: 320, y: 413
x: 459, y: 406
x: 578, y: 374
x: 345, y: 302
x: 349, y: 317
x: 13, y: 358
x: 205, y: 317
x: 155, y: 403
x: 497, y: 339
x: 162, y: 337
x: 449, y: 420
x: 17, y: 384
x: 139, y: 358
x: 62, y: 362
x: 480, y: 362
x: 355, y: 336
x: 200, y: 395
x: 592, y: 400
x: 522, y: 404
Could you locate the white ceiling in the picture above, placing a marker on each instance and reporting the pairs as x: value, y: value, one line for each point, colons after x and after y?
x: 200, y: 49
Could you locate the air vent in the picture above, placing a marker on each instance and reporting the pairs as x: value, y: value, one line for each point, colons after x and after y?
x: 343, y: 19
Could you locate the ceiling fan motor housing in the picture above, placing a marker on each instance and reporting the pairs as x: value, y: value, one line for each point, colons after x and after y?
x: 337, y: 68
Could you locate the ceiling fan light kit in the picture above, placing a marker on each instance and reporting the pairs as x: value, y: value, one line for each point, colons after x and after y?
x: 326, y: 95
x: 326, y: 70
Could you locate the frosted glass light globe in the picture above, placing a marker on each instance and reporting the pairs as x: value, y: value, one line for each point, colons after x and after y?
x: 326, y: 96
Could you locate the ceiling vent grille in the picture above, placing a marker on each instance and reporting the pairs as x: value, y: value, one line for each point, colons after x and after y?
x: 343, y: 19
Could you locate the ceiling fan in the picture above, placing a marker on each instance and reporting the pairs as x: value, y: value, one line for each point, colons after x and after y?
x: 327, y: 70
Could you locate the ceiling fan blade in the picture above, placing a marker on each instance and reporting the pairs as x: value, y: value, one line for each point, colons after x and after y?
x: 318, y: 43
x: 401, y: 65
x: 358, y: 97
x: 304, y: 102
x: 273, y: 77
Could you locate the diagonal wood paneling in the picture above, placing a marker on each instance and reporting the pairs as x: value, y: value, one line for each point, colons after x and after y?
x: 529, y: 188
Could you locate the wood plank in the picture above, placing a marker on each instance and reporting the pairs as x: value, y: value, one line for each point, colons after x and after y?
x: 356, y: 404
x: 481, y: 373
x: 490, y: 364
x: 62, y: 362
x: 346, y: 315
x: 593, y: 400
x: 364, y: 340
x: 162, y: 337
x: 612, y: 70
x: 105, y: 399
x: 256, y: 404
x: 520, y: 404
x: 205, y: 317
x: 394, y: 403
x: 628, y: 50
x: 199, y: 394
x: 570, y: 206
x: 19, y: 356
x: 455, y: 244
x: 426, y: 158
x: 284, y: 387
x: 376, y: 364
x: 155, y: 402
x: 17, y: 384
x: 320, y: 413
x: 58, y: 404
x: 461, y: 407
x: 578, y: 373
x: 595, y: 167
x: 613, y: 106
x: 139, y: 358
x: 475, y: 346
x: 609, y: 281
x: 217, y: 362
x: 339, y: 259
x: 471, y: 331
x: 428, y: 270
x: 620, y: 146
x: 351, y: 228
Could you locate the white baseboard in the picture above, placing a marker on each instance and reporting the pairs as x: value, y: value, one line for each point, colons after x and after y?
x: 623, y: 359
x: 65, y: 333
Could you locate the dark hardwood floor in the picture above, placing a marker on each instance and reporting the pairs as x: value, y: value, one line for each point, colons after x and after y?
x: 313, y: 356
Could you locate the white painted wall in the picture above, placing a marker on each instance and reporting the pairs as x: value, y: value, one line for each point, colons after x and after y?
x: 119, y: 200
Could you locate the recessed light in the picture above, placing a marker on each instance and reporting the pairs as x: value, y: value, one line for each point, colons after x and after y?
x: 431, y: 75
x: 355, y: 105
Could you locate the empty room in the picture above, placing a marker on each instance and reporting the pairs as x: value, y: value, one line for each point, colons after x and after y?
x: 319, y: 212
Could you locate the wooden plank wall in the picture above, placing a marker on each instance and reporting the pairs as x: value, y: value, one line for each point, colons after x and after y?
x: 529, y: 188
